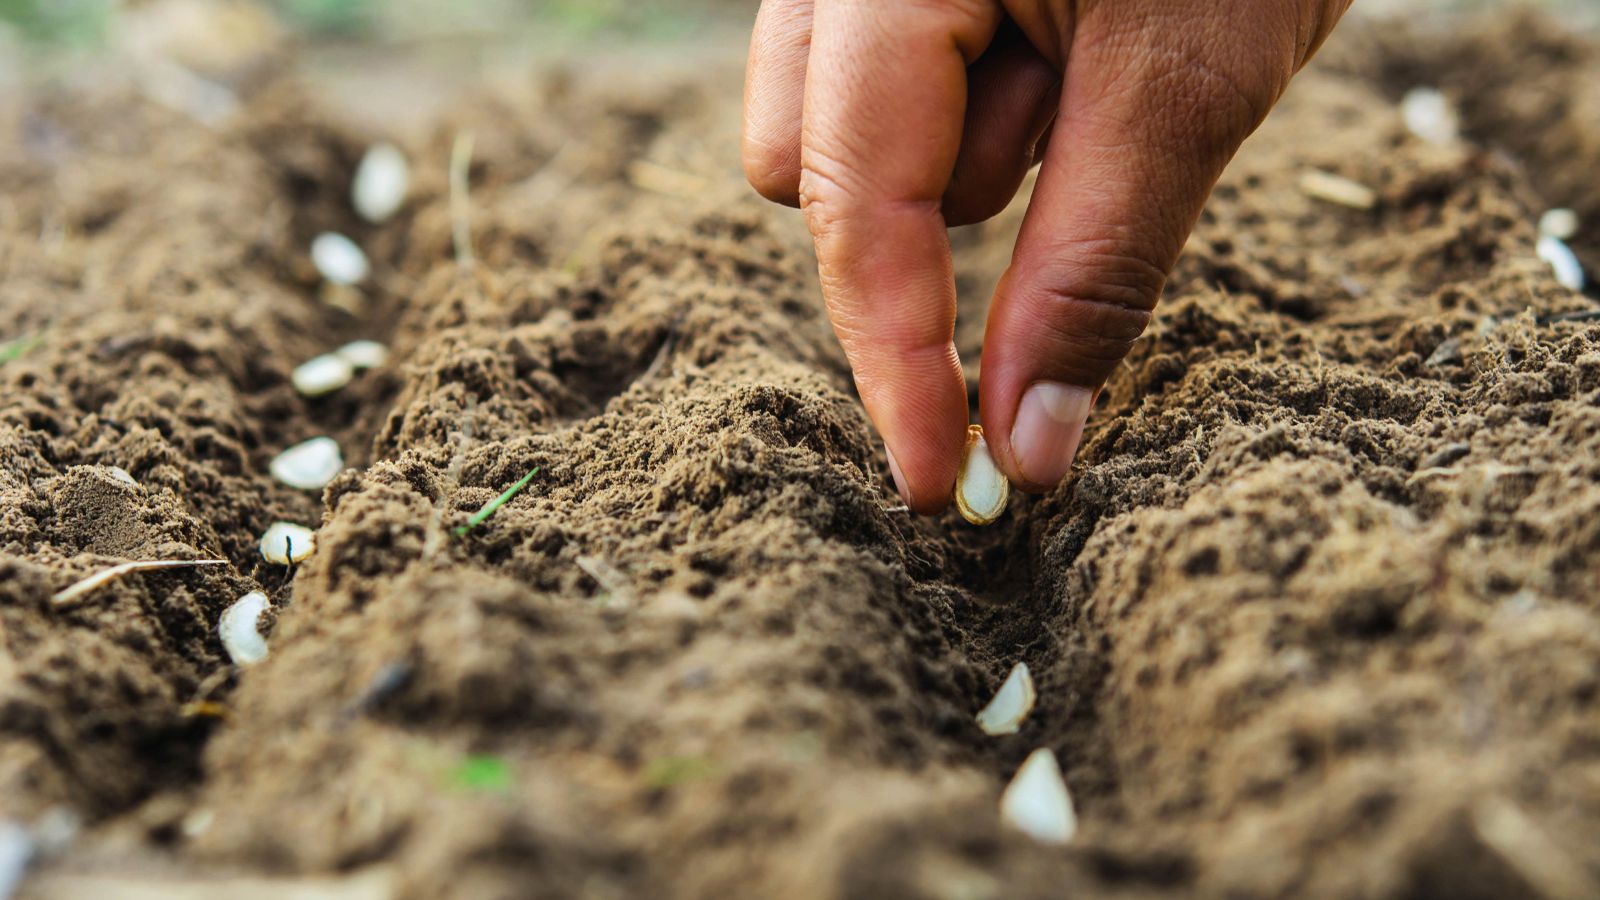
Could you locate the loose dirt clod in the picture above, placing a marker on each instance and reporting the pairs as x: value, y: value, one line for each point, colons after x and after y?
x: 1036, y: 801
x: 982, y: 490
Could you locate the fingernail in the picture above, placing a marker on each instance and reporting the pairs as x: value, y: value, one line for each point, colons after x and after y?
x: 899, y: 477
x: 1048, y: 428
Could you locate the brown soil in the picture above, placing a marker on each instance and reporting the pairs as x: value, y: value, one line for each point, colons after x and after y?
x: 1315, y: 615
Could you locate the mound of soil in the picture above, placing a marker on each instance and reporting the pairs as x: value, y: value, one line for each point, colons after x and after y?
x: 1314, y: 616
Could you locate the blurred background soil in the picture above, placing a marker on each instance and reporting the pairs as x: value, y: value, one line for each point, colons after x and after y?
x: 1315, y: 615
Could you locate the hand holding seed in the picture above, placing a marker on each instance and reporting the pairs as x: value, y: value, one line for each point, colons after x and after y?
x: 889, y: 120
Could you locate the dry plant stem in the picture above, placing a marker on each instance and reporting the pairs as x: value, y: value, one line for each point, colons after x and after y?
x: 108, y: 575
x: 460, y: 200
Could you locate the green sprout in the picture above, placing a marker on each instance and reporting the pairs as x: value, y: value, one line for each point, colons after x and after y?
x: 489, y: 774
x: 493, y: 506
x: 16, y: 348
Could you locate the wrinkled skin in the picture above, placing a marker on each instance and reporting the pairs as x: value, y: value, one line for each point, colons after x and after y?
x: 887, y: 121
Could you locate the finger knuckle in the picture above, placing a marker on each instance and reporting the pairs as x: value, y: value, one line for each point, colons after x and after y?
x: 1099, y: 315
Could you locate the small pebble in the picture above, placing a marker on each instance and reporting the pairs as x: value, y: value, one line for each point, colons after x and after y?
x: 309, y: 465
x: 381, y: 182
x: 339, y: 259
x: 1562, y: 261
x: 363, y: 354
x: 240, y: 629
x: 1036, y: 801
x: 286, y: 543
x: 322, y: 375
x: 1429, y: 115
x: 1559, y: 223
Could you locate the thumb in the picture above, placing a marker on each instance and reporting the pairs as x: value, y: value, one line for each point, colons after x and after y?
x: 1156, y: 103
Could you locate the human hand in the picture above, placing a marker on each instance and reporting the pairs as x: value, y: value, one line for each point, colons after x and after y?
x: 887, y: 121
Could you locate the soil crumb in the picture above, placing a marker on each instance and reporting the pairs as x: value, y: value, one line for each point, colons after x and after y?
x: 1314, y: 616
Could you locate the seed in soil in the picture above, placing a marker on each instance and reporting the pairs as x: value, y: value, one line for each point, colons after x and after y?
x: 1429, y: 115
x: 1562, y: 261
x: 1011, y: 704
x: 16, y: 852
x: 240, y: 629
x: 309, y: 465
x: 982, y: 490
x: 1559, y: 223
x: 1337, y: 189
x: 1036, y: 801
x: 322, y: 375
x: 286, y: 543
x: 339, y: 260
x: 121, y: 475
x: 363, y: 354
x: 379, y: 188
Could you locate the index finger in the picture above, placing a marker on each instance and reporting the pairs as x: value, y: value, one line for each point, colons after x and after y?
x: 885, y: 100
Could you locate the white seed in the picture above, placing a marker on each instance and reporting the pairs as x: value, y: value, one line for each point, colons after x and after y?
x: 1011, y: 704
x: 339, y: 259
x: 379, y: 188
x: 1429, y: 115
x: 240, y: 629
x: 1337, y: 189
x: 121, y: 474
x: 1036, y: 801
x: 363, y: 354
x: 309, y: 465
x: 16, y: 852
x: 981, y: 488
x: 286, y: 543
x: 322, y: 375
x: 1562, y: 261
x: 1560, y: 223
